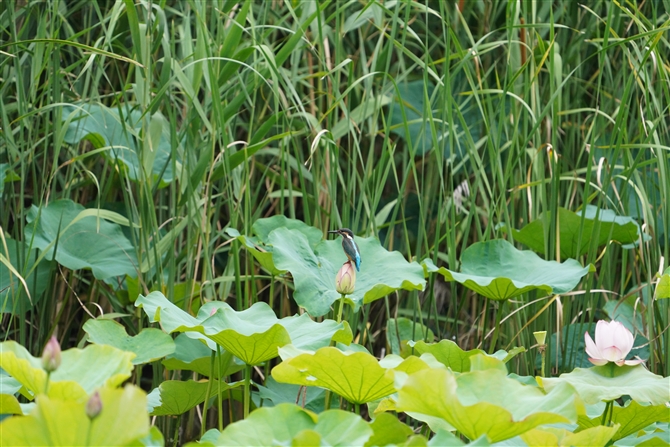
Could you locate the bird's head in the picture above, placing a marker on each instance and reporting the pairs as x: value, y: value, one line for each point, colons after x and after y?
x: 344, y: 232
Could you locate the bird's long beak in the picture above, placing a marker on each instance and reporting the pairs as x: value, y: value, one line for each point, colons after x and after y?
x: 335, y: 232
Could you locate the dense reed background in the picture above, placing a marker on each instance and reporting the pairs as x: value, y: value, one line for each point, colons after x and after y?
x: 427, y: 124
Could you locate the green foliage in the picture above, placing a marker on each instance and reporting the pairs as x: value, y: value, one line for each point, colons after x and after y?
x: 314, y: 270
x: 149, y: 345
x: 80, y: 238
x: 497, y: 270
x: 577, y: 231
x: 195, y: 153
x: 19, y: 262
x: 81, y: 370
x: 478, y: 403
x: 122, y: 421
x: 252, y: 335
x: 609, y: 382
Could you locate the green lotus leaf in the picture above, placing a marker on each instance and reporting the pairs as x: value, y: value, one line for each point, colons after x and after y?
x: 13, y: 298
x: 631, y: 418
x: 479, y: 403
x: 259, y: 245
x: 192, y: 355
x: 598, y: 436
x: 314, y: 269
x: 81, y: 370
x: 9, y: 404
x: 356, y: 376
x: 448, y: 353
x: 268, y: 426
x: 498, y: 271
x: 149, y: 345
x: 175, y: 397
x: 122, y: 420
x: 84, y: 238
x: 263, y: 227
x: 105, y: 128
x: 253, y: 335
x: 401, y: 330
x: 338, y: 427
x: 578, y: 230
x: 663, y: 286
x: 609, y: 382
x: 387, y: 429
x: 310, y: 398
x: 288, y: 424
x: 655, y: 435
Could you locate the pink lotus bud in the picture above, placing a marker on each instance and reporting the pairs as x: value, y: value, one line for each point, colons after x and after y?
x: 346, y: 279
x: 613, y: 343
x: 51, y: 355
x: 94, y: 405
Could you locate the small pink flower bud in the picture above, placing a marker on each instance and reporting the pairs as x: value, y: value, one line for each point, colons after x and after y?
x: 51, y: 355
x: 346, y: 279
x: 94, y: 405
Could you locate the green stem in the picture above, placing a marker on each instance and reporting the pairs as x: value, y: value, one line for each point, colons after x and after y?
x: 46, y: 385
x: 220, y: 393
x: 175, y: 437
x: 326, y: 400
x: 496, y: 331
x: 607, y: 414
x: 543, y: 355
x: 247, y: 390
x: 357, y: 409
x: 339, y: 311
x: 209, y: 390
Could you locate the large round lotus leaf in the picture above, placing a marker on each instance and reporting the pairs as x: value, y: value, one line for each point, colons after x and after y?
x: 89, y: 368
x: 192, y: 355
x: 356, y: 376
x: 609, y: 382
x: 105, y: 128
x: 655, y: 435
x: 9, y: 404
x: 263, y: 227
x: 338, y: 427
x: 578, y: 230
x: 448, y: 353
x: 149, y: 345
x: 175, y: 397
x: 314, y: 270
x: 259, y: 245
x: 631, y: 418
x: 485, y: 402
x: 288, y: 424
x: 123, y: 419
x: 497, y: 270
x: 550, y: 436
x: 13, y: 298
x: 268, y: 426
x: 253, y: 335
x: 387, y: 429
x: 86, y: 238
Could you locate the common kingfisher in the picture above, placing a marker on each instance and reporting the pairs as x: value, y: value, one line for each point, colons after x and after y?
x: 349, y: 246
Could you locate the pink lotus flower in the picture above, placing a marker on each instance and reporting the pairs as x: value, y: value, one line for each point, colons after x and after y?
x: 613, y: 343
x: 346, y: 279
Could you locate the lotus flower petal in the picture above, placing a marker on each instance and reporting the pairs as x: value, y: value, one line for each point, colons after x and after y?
x: 634, y: 362
x: 613, y: 343
x: 591, y: 348
x: 598, y: 362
